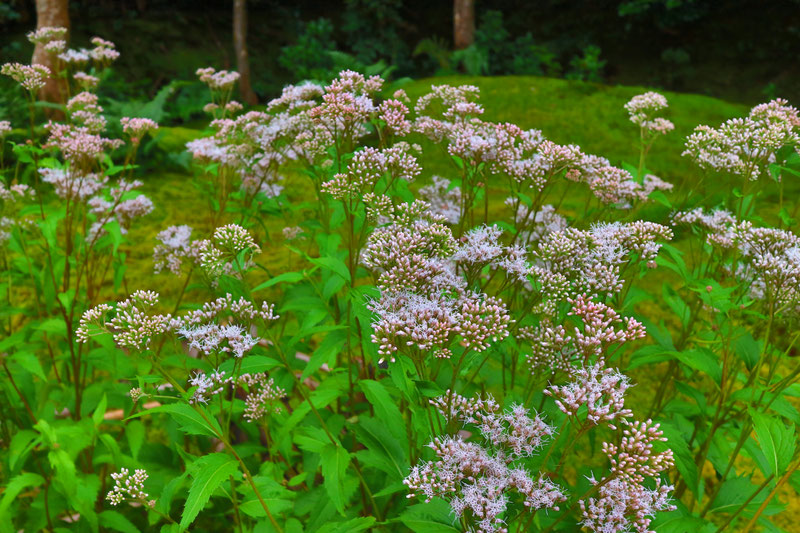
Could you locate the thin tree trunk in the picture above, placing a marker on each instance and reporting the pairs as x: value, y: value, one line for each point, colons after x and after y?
x: 52, y: 13
x: 240, y: 47
x: 463, y: 23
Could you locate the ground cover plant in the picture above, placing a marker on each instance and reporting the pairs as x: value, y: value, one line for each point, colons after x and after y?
x: 468, y: 327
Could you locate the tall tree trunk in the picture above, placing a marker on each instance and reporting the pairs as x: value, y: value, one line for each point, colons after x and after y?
x: 240, y: 47
x: 463, y: 23
x: 52, y: 13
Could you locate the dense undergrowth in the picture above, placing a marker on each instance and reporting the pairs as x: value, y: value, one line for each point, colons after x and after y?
x: 400, y: 308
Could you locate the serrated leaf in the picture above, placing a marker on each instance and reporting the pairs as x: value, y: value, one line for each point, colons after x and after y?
x: 286, y: 277
x: 334, y: 460
x: 377, y: 438
x: 777, y: 441
x: 386, y: 409
x: 189, y: 419
x: 332, y: 344
x: 12, y: 490
x: 252, y: 364
x: 733, y: 493
x: 100, y: 411
x: 332, y: 264
x: 117, y: 522
x: 684, y: 460
x: 134, y: 432
x: 701, y: 360
x: 21, y: 443
x: 28, y: 361
x: 351, y: 526
x: 209, y: 472
x: 432, y: 517
x: 275, y: 495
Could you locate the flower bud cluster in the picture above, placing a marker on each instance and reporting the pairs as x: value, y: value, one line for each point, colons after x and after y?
x: 262, y: 396
x: 424, y: 305
x: 593, y: 261
x: 745, y: 147
x: 370, y: 165
x: 601, y: 390
x: 84, y: 111
x: 767, y: 259
x: 444, y: 200
x: 133, y: 325
x: 127, y: 486
x: 221, y: 326
x: 136, y: 128
x: 222, y: 80
x: 483, y: 480
x: 176, y: 246
x: 555, y: 349
x: 642, y: 109
x: 45, y: 34
x: 30, y: 77
x: 624, y: 503
x: 220, y: 255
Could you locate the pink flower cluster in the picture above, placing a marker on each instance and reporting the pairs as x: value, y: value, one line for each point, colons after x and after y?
x: 483, y: 480
x: 553, y: 348
x: 30, y: 77
x: 222, y: 80
x: 176, y: 246
x: 624, y: 503
x: 424, y: 304
x: 767, y: 259
x: 745, y: 147
x: 85, y: 112
x: 642, y: 109
x: 136, y: 128
x: 592, y: 262
x: 368, y: 166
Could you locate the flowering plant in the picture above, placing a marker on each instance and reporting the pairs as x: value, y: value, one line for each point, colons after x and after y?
x: 468, y: 352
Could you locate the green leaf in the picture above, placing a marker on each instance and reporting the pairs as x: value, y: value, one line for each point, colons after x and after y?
x: 188, y: 417
x: 333, y: 264
x: 332, y: 344
x: 335, y: 460
x: 21, y: 444
x: 65, y: 478
x: 12, y: 490
x: 375, y: 435
x: 100, y: 411
x: 684, y: 460
x: 209, y: 472
x: 286, y: 277
x: 386, y: 409
x: 252, y: 364
x: 432, y: 517
x: 28, y: 361
x: 117, y: 522
x: 135, y: 432
x: 701, y: 359
x: 115, y: 232
x: 351, y: 526
x: 777, y: 441
x: 733, y: 493
x: 747, y: 349
x: 55, y: 326
x: 275, y: 495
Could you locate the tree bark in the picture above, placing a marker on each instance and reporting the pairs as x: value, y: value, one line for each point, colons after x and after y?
x: 53, y: 13
x: 463, y: 23
x: 240, y: 47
